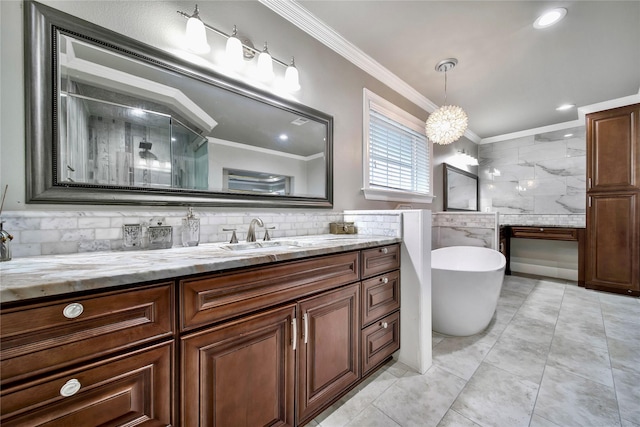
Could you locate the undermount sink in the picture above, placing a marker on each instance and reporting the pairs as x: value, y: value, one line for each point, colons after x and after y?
x: 262, y: 246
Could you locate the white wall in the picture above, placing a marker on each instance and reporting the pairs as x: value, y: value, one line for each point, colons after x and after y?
x: 329, y: 82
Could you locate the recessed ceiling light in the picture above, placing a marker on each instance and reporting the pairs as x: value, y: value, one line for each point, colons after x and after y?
x: 283, y: 137
x: 564, y: 107
x: 550, y: 17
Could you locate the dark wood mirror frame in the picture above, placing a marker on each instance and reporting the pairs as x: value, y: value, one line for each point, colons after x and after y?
x: 449, y: 203
x: 41, y: 24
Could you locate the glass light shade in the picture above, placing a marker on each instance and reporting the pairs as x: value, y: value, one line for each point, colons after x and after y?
x: 446, y: 125
x: 292, y: 78
x: 196, y: 36
x: 265, y: 65
x: 235, y: 56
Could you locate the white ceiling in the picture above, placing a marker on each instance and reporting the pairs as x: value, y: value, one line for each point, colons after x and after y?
x: 510, y: 77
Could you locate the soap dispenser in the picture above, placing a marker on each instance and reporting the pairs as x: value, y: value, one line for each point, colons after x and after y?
x: 190, y: 229
x: 5, y: 247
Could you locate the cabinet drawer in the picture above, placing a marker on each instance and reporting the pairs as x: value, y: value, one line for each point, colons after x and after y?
x: 214, y: 298
x: 126, y: 390
x: 379, y: 341
x: 44, y: 337
x: 547, y: 233
x: 379, y: 260
x: 380, y: 296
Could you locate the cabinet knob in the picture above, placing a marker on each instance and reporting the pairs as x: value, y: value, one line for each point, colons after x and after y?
x: 384, y: 280
x: 384, y: 250
x: 384, y: 325
x: 542, y: 229
x: 73, y: 310
x: 70, y: 388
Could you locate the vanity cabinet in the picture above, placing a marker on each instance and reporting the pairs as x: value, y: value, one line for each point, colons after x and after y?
x: 244, y: 366
x: 380, y: 335
x: 90, y: 360
x: 271, y: 345
x: 613, y: 200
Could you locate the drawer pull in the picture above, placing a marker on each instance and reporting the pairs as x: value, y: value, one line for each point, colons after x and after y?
x: 294, y: 332
x: 70, y: 388
x: 73, y: 310
x: 384, y: 280
x: 305, y: 318
x: 384, y: 250
x: 384, y: 325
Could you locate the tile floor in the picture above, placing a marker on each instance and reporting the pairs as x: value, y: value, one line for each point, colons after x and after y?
x: 554, y: 355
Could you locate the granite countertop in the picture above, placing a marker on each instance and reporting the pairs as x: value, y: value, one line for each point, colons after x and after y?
x: 34, y: 277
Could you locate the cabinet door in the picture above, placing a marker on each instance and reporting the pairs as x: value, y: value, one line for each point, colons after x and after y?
x: 241, y: 373
x: 613, y: 237
x: 328, y: 355
x: 613, y: 149
x: 128, y: 390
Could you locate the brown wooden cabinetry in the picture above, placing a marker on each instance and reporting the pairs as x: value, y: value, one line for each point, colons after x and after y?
x: 240, y: 373
x: 269, y: 345
x: 68, y: 362
x: 329, y: 357
x: 613, y: 200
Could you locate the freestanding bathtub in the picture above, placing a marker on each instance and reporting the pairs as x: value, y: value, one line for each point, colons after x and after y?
x: 465, y: 286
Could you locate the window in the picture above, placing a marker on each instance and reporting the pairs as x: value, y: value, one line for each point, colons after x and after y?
x: 397, y: 154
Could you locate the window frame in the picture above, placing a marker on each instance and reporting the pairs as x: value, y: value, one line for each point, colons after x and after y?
x: 395, y: 113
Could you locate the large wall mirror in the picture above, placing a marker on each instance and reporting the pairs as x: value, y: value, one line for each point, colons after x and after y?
x: 460, y: 190
x: 112, y: 120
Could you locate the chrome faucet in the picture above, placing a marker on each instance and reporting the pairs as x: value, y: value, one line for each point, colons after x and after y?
x: 251, y: 234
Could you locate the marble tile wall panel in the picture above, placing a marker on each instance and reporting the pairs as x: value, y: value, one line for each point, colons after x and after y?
x: 63, y: 232
x: 464, y: 229
x: 546, y: 175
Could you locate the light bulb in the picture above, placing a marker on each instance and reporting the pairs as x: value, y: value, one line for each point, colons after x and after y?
x: 265, y: 65
x: 292, y: 77
x: 234, y: 50
x: 196, y: 34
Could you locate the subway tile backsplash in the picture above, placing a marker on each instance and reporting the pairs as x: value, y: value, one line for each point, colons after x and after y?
x: 64, y: 232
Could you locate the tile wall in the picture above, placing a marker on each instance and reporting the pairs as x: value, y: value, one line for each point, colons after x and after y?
x: 63, y: 232
x: 539, y: 174
x: 464, y: 229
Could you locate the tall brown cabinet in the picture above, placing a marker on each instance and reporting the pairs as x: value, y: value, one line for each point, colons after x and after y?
x: 613, y: 200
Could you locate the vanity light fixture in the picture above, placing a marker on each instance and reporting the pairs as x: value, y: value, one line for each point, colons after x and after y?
x: 292, y: 77
x: 565, y: 107
x: 237, y: 50
x: 466, y: 158
x: 196, y: 34
x: 550, y: 18
x: 265, y: 64
x: 449, y: 122
x: 234, y: 51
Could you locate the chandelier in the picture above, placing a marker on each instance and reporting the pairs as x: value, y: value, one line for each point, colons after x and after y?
x: 448, y: 123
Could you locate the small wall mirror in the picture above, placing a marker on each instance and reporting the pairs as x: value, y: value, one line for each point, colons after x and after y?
x: 116, y: 121
x: 460, y: 190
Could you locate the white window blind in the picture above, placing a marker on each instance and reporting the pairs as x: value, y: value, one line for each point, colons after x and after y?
x: 398, y: 155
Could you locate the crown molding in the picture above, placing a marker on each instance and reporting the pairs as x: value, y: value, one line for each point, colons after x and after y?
x: 582, y: 112
x: 299, y: 16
